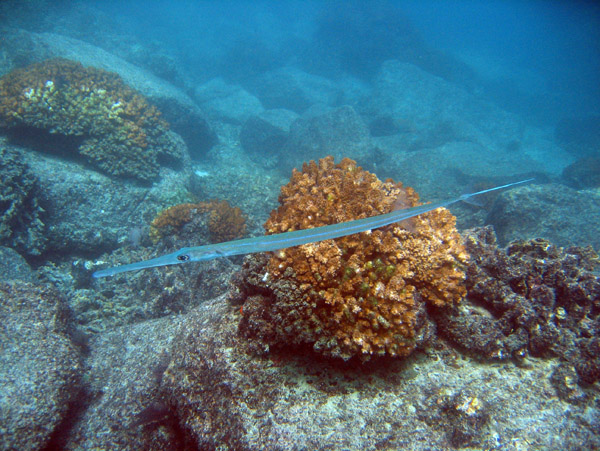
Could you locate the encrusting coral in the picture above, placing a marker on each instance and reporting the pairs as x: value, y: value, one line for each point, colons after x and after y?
x: 224, y: 221
x: 541, y: 300
x: 359, y: 295
x: 121, y: 133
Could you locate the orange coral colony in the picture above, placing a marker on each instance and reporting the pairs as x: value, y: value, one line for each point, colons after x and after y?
x: 359, y: 295
x: 224, y: 221
x: 122, y: 134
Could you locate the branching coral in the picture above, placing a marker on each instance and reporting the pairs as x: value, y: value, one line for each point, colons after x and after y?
x: 121, y: 133
x: 224, y: 221
x: 358, y: 295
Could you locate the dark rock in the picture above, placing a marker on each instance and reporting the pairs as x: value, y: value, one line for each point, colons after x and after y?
x: 466, y: 416
x: 340, y: 132
x: 21, y: 210
x: 560, y: 214
x: 566, y: 382
x: 294, y: 90
x: 265, y: 134
x: 539, y: 299
x: 476, y: 333
x: 40, y: 368
x: 13, y: 266
x: 583, y: 173
x: 361, y: 36
x: 580, y: 136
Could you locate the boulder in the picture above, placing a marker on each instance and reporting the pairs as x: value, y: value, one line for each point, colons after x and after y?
x: 40, y: 368
x: 226, y: 396
x: 264, y: 135
x: 124, y: 410
x: 13, y: 266
x: 224, y: 102
x: 178, y: 108
x: 340, y: 132
x: 85, y: 212
x: 555, y: 212
x: 294, y: 90
x: 427, y: 112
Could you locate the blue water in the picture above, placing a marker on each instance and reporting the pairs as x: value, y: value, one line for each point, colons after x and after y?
x: 530, y: 48
x: 447, y: 97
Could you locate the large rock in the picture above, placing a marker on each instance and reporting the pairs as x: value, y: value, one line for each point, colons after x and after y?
x: 427, y: 112
x: 40, y: 367
x: 21, y: 214
x: 225, y: 102
x: 13, y: 266
x: 86, y: 212
x: 264, y: 135
x: 124, y: 410
x: 556, y: 212
x: 179, y: 110
x: 340, y: 132
x: 295, y: 90
x: 227, y: 398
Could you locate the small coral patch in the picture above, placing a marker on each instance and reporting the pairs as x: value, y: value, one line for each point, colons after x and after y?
x: 224, y: 221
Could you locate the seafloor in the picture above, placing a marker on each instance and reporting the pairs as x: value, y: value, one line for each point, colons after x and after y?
x: 166, y: 358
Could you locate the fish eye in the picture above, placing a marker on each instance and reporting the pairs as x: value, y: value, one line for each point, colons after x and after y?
x: 183, y: 257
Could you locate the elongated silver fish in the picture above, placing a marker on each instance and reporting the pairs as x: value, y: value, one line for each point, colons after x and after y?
x: 288, y: 239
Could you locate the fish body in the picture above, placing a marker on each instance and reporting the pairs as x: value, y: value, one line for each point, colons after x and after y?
x: 284, y: 240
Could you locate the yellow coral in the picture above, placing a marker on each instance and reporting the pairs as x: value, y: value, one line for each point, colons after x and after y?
x: 121, y: 132
x: 358, y: 295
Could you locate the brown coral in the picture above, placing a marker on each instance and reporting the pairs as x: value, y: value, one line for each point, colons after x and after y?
x: 224, y: 221
x: 122, y: 134
x: 358, y: 295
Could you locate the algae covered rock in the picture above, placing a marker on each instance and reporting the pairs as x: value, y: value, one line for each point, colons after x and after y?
x: 40, y: 366
x: 21, y: 214
x: 111, y: 126
x: 532, y: 298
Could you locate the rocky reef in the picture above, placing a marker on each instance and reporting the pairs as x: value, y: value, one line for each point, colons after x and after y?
x: 225, y: 222
x: 41, y: 366
x: 530, y: 299
x: 21, y: 212
x: 112, y: 127
x: 353, y: 296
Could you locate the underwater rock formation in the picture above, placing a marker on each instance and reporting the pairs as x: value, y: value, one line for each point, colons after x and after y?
x: 539, y: 299
x: 114, y: 128
x: 340, y: 132
x: 225, y: 223
x: 264, y: 135
x: 362, y: 295
x: 40, y: 371
x: 583, y: 173
x: 558, y: 213
x: 580, y: 136
x: 21, y: 214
